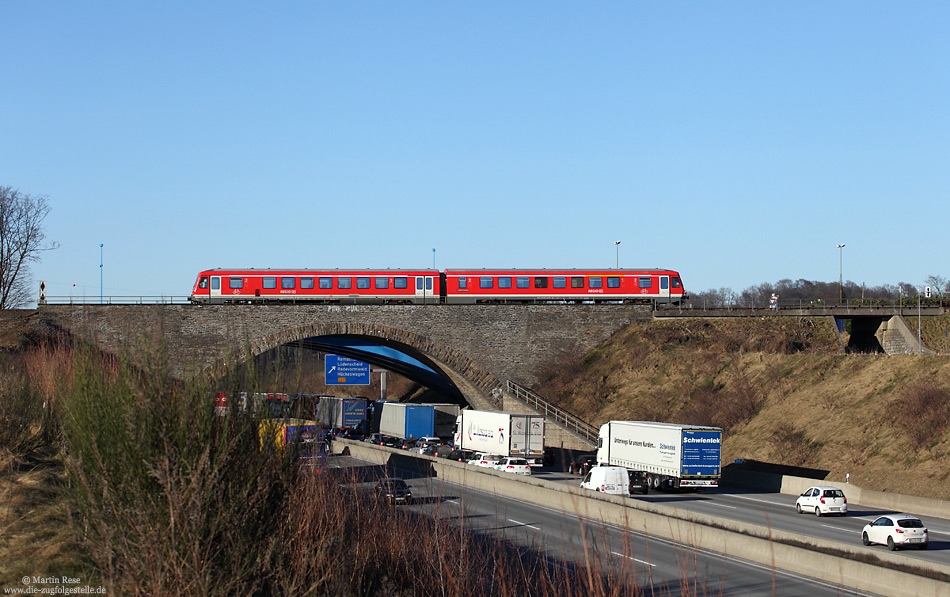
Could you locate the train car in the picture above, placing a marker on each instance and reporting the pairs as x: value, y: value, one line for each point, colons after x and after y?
x: 218, y: 286
x: 661, y: 286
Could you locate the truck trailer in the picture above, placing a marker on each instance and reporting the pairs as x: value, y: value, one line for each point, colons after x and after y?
x: 303, y: 436
x: 342, y: 413
x: 673, y: 456
x: 502, y: 433
x: 446, y: 416
x: 405, y: 421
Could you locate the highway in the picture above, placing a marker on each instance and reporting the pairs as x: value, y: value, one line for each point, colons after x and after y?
x: 657, y: 565
x: 777, y: 511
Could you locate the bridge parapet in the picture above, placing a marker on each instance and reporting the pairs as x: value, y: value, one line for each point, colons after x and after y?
x: 841, y: 311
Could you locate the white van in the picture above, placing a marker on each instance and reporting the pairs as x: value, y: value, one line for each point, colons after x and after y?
x: 608, y: 479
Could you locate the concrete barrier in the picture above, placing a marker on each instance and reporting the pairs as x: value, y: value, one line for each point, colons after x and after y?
x: 734, y: 538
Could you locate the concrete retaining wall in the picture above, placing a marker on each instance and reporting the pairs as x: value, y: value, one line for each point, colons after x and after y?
x: 725, y: 536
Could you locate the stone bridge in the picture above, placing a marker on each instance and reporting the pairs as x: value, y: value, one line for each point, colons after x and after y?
x: 477, y: 347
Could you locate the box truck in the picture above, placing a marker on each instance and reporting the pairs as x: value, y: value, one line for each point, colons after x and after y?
x: 405, y: 421
x: 505, y: 434
x: 341, y: 413
x: 672, y: 456
x: 305, y: 436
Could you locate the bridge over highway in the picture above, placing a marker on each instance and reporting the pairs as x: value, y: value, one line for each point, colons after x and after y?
x: 476, y: 348
x: 487, y: 354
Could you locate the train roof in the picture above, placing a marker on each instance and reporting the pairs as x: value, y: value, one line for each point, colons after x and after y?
x: 605, y: 271
x: 313, y: 270
x: 624, y: 270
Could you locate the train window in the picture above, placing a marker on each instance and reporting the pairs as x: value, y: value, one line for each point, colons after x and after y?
x: 540, y: 282
x: 235, y: 282
x: 306, y: 283
x: 504, y: 282
x: 326, y: 283
x: 463, y: 282
x: 419, y: 283
x: 270, y: 283
x: 664, y: 282
x: 596, y: 282
x: 645, y: 282
x: 215, y: 283
x: 203, y: 282
x: 559, y: 282
x: 613, y: 282
x: 400, y: 282
x: 344, y: 282
x: 676, y: 282
x: 486, y: 282
x: 362, y: 282
x: 287, y: 283
x: 382, y: 282
x: 577, y: 281
x: 523, y: 282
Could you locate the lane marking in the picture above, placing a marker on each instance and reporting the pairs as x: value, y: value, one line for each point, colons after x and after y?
x: 744, y: 497
x: 634, y: 559
x: 829, y: 526
x: 524, y: 524
x: 724, y: 506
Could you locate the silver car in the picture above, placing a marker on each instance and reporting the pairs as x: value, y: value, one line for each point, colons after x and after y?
x: 822, y: 500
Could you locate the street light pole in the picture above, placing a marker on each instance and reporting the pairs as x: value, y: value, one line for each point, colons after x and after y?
x: 617, y: 244
x: 840, y: 273
x: 100, y: 273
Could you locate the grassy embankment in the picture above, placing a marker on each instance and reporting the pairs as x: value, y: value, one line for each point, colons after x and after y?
x: 783, y: 392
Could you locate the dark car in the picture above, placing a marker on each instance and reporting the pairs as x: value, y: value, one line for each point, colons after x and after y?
x: 581, y: 464
x: 639, y: 481
x: 390, y: 441
x: 393, y: 490
x: 461, y: 455
x: 548, y: 458
x: 353, y: 434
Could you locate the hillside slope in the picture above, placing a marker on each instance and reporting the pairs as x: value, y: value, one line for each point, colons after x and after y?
x: 783, y: 393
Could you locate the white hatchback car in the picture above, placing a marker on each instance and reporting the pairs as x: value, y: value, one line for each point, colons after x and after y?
x: 489, y: 460
x: 822, y: 500
x: 518, y: 466
x: 896, y: 530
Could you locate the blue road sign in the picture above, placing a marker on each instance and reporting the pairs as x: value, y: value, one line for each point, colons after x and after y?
x: 344, y: 371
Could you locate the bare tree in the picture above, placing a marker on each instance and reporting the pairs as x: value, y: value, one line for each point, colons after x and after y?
x: 21, y: 241
x: 937, y: 283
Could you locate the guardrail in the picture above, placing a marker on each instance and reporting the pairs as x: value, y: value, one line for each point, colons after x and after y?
x: 563, y: 418
x: 115, y: 300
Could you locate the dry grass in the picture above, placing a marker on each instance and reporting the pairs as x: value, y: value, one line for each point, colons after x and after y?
x: 784, y: 394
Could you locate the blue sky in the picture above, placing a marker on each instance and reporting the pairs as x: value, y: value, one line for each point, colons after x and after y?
x: 737, y: 142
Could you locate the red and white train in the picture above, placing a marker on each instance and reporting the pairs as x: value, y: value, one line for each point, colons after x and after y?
x: 431, y: 286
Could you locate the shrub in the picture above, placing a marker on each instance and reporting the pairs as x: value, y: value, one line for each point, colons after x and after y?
x: 174, y: 499
x: 791, y: 446
x: 924, y: 412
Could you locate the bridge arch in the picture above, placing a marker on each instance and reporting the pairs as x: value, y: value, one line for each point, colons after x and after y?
x: 475, y: 384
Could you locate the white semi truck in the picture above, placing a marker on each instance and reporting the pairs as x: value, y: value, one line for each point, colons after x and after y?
x: 673, y: 456
x: 502, y: 433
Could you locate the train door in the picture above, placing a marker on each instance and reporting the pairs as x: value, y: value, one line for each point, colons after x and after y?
x: 424, y: 290
x: 664, y: 292
x: 215, y: 290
